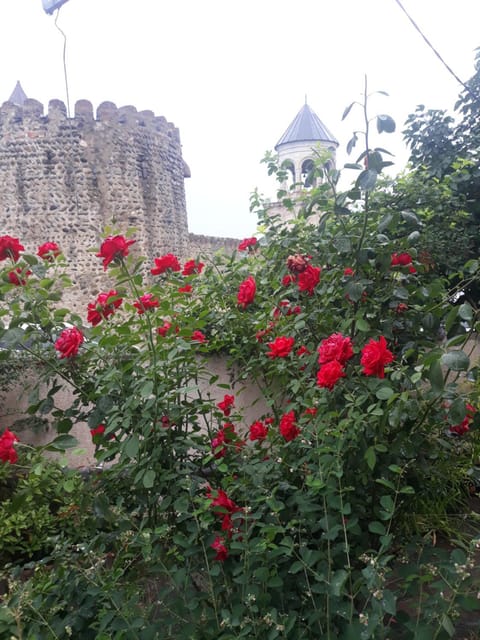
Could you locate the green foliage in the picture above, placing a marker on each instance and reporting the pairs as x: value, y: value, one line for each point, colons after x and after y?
x: 310, y: 531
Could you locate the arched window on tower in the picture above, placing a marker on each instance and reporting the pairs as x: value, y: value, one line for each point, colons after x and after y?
x: 308, y: 179
x: 290, y: 168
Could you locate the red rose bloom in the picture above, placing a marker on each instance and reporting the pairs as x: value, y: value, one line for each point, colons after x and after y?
x: 98, y: 431
x: 297, y: 263
x: 198, y: 336
x: 246, y: 243
x: 335, y: 347
x: 145, y: 302
x: 348, y: 271
x: 308, y: 279
x: 103, y: 307
x: 246, y: 292
x: 19, y: 276
x: 288, y: 279
x: 288, y: 428
x: 7, y: 449
x: 68, y: 342
x: 113, y: 248
x: 329, y: 374
x: 190, y: 267
x: 464, y: 426
x: 269, y: 420
x: 48, y: 251
x: 401, y: 307
x: 302, y: 351
x: 226, y: 404
x: 311, y: 411
x: 164, y: 263
x: 375, y: 356
x: 257, y: 431
x: 10, y: 248
x: 164, y: 329
x: 186, y: 289
x: 280, y: 347
x: 401, y: 259
x: 219, y: 546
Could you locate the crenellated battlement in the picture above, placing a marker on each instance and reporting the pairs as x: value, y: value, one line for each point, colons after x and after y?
x: 64, y: 179
x: 32, y: 114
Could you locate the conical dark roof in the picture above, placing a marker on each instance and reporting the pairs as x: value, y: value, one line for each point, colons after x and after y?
x: 18, y: 96
x: 306, y: 127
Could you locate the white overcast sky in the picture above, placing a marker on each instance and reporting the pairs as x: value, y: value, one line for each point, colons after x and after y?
x: 232, y: 75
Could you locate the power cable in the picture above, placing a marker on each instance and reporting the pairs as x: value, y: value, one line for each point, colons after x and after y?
x: 64, y: 61
x: 449, y: 69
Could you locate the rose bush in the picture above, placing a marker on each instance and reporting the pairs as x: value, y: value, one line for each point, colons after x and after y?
x: 287, y: 526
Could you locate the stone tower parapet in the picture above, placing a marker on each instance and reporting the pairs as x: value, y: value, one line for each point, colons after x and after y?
x: 64, y: 179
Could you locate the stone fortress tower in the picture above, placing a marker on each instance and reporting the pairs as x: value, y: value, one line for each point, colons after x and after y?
x: 63, y: 179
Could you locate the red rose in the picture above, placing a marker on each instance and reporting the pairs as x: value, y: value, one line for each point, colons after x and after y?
x: 302, y: 351
x: 190, y: 267
x: 308, y: 279
x: 288, y: 279
x: 162, y: 264
x: 198, y: 336
x: 219, y: 546
x: 269, y: 420
x: 19, y: 276
x: 103, y: 307
x: 68, y: 342
x: 7, y: 449
x: 329, y: 374
x: 257, y: 431
x: 401, y: 307
x: 348, y: 271
x: 10, y: 248
x: 113, y: 248
x: 311, y: 411
x: 247, y: 243
x: 464, y: 426
x: 48, y: 251
x: 186, y: 289
x: 98, y: 431
x: 335, y: 347
x: 297, y: 263
x: 401, y: 259
x: 145, y: 302
x: 288, y: 428
x: 225, y: 504
x: 246, y: 292
x: 226, y: 404
x: 375, y: 356
x: 163, y: 330
x: 280, y: 347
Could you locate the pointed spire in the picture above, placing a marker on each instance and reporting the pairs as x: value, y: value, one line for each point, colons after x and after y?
x: 18, y: 96
x: 306, y: 127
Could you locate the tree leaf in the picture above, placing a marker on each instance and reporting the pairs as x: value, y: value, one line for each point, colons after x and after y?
x: 455, y: 360
x: 371, y: 457
x: 347, y: 110
x: 367, y: 180
x: 435, y: 376
x: 385, y: 123
x: 149, y: 479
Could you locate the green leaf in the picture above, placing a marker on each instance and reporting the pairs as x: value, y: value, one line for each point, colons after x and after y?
x: 132, y: 446
x: 377, y: 527
x: 447, y: 625
x: 385, y: 123
x: 384, y: 393
x: 455, y: 360
x: 385, y: 222
x: 362, y: 325
x: 347, y: 110
x: 337, y: 581
x: 371, y: 457
x: 389, y: 602
x: 457, y: 411
x: 149, y: 479
x: 410, y: 217
x: 465, y: 311
x: 435, y: 376
x: 342, y: 244
x: 146, y: 389
x: 351, y: 143
x: 367, y: 180
x: 414, y: 237
x: 62, y: 442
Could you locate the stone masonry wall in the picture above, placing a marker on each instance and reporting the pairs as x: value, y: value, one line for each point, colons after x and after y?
x: 63, y: 179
